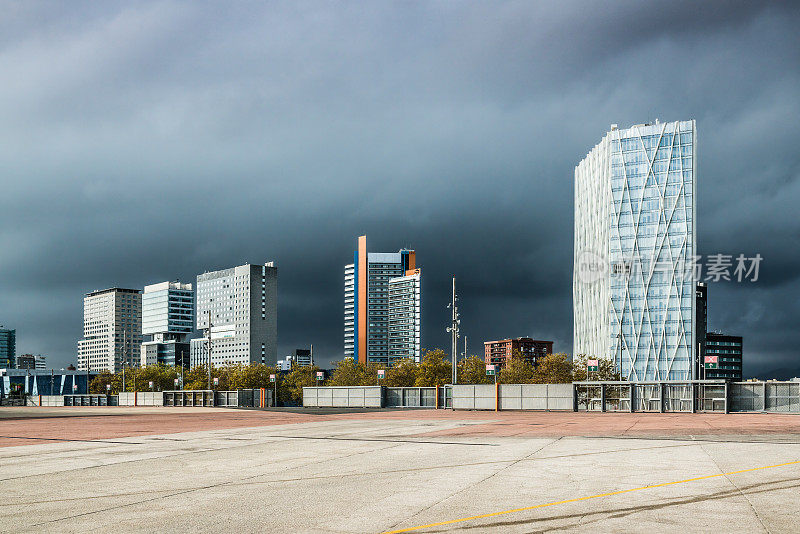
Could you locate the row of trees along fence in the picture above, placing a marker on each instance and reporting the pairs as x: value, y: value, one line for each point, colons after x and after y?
x: 229, y: 377
x: 434, y: 370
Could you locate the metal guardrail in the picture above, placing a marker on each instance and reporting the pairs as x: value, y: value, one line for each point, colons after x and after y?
x: 189, y: 398
x: 247, y: 398
x: 769, y: 397
x: 621, y: 396
x: 90, y: 400
x: 410, y: 397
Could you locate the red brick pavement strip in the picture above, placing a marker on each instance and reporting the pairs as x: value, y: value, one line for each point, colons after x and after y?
x: 37, y: 430
x: 671, y: 425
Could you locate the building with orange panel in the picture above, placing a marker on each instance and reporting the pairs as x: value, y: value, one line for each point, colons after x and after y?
x: 499, y: 352
x: 382, y: 306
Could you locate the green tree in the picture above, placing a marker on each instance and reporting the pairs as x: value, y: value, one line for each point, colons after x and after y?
x: 472, y: 370
x: 196, y: 378
x: 553, y: 369
x: 298, y: 378
x: 349, y: 372
x: 606, y: 370
x: 99, y: 383
x: 516, y: 371
x: 162, y: 377
x: 402, y: 374
x: 435, y: 369
x: 257, y: 376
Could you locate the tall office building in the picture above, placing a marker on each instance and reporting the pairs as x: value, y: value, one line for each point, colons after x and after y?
x: 635, y: 241
x: 112, y: 330
x: 243, y: 306
x: 382, y: 312
x: 8, y: 347
x: 167, y: 323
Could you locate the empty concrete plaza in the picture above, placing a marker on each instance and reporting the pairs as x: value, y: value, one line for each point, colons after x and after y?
x: 206, y: 469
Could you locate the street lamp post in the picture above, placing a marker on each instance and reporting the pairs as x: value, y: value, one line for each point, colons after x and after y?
x: 453, y: 330
x: 209, y: 346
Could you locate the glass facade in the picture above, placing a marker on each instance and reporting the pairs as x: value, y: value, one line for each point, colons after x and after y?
x: 635, y: 200
x: 168, y: 308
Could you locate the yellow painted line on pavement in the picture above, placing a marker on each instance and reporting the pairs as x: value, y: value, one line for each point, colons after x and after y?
x: 504, y: 512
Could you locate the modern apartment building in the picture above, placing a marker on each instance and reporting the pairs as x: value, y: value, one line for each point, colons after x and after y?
x: 500, y: 352
x: 29, y: 361
x: 375, y: 329
x: 112, y: 330
x: 8, y: 347
x: 242, y: 305
x: 167, y: 323
x: 405, y: 319
x: 728, y: 350
x: 635, y: 243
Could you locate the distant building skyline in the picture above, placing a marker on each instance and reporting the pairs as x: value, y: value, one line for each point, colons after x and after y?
x: 29, y: 361
x: 299, y: 357
x: 500, y: 352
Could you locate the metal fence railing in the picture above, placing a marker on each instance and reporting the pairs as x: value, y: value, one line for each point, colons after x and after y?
x: 410, y: 397
x: 189, y: 398
x: 715, y: 396
x: 772, y: 397
x: 647, y: 397
x: 90, y: 400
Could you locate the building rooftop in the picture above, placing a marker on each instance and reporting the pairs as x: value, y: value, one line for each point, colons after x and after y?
x: 161, y: 286
x: 112, y: 289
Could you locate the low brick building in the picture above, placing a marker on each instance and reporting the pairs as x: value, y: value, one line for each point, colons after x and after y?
x: 499, y: 352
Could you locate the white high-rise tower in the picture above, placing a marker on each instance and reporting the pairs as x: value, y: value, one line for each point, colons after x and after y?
x: 635, y: 245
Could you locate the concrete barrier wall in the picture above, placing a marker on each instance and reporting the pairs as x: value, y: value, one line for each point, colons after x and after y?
x: 465, y: 397
x: 244, y: 398
x: 71, y: 400
x: 47, y: 400
x: 513, y: 397
x: 777, y: 397
x: 343, y: 396
x: 143, y: 398
x: 473, y: 397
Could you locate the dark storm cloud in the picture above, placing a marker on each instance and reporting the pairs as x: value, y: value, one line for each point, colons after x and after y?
x: 152, y: 141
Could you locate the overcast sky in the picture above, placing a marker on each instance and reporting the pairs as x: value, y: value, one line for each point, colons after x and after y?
x: 148, y: 141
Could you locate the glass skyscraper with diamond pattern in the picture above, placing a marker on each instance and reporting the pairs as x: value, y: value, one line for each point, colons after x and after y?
x: 635, y: 244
